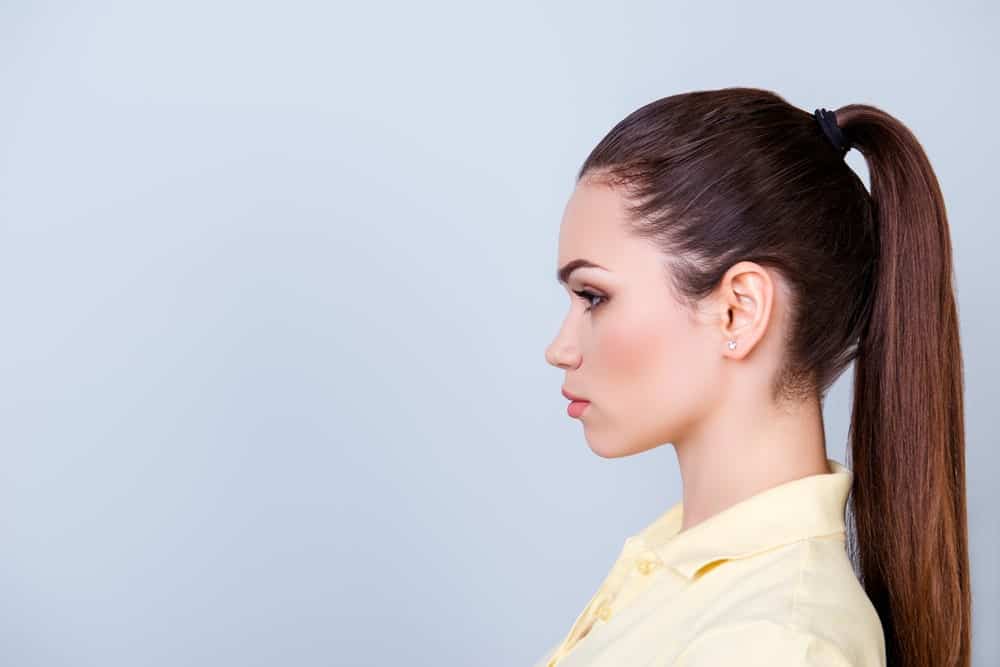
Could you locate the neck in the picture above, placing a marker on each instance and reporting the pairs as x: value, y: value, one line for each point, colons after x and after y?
x: 748, y: 450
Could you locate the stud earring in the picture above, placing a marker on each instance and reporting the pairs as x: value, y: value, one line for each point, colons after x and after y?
x: 732, y: 344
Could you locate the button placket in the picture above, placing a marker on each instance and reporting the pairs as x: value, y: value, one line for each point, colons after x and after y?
x: 635, y: 554
x: 604, y: 607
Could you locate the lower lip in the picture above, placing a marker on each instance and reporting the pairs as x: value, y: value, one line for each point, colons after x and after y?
x: 576, y: 408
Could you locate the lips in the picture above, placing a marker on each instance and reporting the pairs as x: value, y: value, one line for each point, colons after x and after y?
x: 572, y: 397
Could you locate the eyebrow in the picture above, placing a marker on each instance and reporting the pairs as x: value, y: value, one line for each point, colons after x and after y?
x: 563, y: 274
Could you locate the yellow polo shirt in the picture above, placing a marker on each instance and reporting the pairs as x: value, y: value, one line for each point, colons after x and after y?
x: 766, y: 581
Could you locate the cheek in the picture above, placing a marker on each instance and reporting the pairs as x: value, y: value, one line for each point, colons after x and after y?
x: 654, y: 343
x: 631, y: 347
x: 654, y: 360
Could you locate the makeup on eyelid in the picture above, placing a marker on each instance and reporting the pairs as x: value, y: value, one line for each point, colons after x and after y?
x: 590, y: 297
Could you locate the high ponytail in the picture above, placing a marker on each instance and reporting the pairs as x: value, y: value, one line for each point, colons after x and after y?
x: 713, y: 177
x: 907, y: 434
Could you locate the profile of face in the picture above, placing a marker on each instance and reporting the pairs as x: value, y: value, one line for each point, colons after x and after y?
x: 649, y: 365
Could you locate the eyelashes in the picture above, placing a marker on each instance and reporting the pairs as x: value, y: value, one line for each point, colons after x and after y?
x: 589, y: 297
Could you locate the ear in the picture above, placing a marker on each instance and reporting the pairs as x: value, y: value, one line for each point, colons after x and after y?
x: 746, y: 298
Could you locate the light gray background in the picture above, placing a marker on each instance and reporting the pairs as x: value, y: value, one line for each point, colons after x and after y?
x: 276, y: 284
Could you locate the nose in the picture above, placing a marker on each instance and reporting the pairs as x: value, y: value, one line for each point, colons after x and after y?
x: 560, y: 353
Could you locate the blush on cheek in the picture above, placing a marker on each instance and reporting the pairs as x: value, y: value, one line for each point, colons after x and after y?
x: 649, y: 360
x: 630, y: 347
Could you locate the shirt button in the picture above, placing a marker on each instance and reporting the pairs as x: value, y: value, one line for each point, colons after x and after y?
x: 604, y: 612
x: 646, y: 564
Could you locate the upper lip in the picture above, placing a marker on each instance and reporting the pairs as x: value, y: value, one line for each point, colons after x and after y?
x: 571, y: 396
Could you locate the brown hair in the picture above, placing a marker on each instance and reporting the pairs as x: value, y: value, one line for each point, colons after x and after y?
x: 719, y: 176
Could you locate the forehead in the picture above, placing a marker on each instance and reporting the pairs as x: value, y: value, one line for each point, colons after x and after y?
x: 593, y: 224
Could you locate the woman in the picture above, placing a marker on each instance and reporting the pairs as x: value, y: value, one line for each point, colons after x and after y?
x: 725, y: 265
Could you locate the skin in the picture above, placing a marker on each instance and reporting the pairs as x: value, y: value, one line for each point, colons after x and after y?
x: 657, y: 372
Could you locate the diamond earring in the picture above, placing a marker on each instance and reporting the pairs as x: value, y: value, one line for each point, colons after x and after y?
x: 732, y: 344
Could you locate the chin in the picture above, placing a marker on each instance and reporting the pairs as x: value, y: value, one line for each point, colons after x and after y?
x: 614, y: 448
x: 609, y: 448
x: 605, y: 455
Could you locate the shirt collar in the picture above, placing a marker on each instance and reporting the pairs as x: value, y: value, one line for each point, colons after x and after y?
x: 806, y: 507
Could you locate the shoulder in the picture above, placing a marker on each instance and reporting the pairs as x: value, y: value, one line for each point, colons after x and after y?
x: 800, y: 606
x: 830, y: 602
x: 761, y: 643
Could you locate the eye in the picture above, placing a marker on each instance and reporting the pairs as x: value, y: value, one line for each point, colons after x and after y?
x: 589, y: 297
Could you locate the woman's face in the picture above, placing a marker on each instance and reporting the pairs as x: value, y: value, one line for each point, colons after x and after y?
x: 644, y: 361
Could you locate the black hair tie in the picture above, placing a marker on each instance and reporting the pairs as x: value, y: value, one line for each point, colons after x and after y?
x: 828, y: 121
